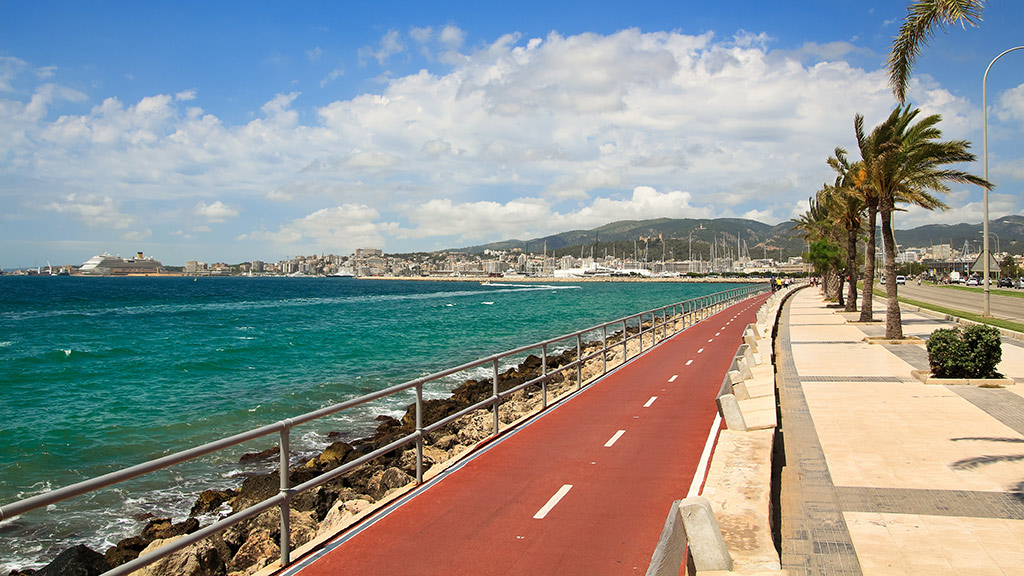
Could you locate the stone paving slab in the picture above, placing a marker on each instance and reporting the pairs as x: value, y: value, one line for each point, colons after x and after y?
x: 912, y: 544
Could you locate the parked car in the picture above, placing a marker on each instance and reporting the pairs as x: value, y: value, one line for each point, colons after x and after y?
x: 1019, y: 283
x: 1006, y: 282
x: 974, y: 281
x: 901, y: 279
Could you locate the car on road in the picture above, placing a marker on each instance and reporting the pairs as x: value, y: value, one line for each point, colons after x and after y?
x: 901, y: 279
x: 1006, y: 282
x: 1019, y: 283
x: 974, y: 281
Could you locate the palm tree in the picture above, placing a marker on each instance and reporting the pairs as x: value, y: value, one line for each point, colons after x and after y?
x: 867, y: 149
x: 818, y: 230
x: 846, y: 207
x: 923, y: 18
x: 904, y: 163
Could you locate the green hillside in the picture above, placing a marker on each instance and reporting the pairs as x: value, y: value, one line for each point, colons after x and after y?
x: 680, y: 238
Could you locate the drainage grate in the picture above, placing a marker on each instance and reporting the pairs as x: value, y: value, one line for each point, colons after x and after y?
x: 857, y: 379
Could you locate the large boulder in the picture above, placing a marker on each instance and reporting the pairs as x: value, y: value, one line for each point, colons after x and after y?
x: 76, y: 561
x: 332, y: 457
x: 205, y: 558
x: 340, y: 515
x: 129, y: 549
x: 210, y: 501
x: 258, y: 550
x: 385, y: 481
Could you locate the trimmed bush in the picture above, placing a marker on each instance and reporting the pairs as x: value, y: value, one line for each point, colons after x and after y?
x: 970, y: 353
x: 986, y: 350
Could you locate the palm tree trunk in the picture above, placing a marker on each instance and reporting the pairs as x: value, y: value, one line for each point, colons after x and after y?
x: 851, y: 270
x: 868, y: 294
x: 831, y: 281
x: 893, y: 322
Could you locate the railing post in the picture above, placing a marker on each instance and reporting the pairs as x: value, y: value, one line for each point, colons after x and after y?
x: 604, y: 349
x: 579, y: 361
x: 285, y: 540
x: 419, y: 430
x: 625, y: 343
x: 544, y: 373
x: 496, y: 400
x: 640, y: 330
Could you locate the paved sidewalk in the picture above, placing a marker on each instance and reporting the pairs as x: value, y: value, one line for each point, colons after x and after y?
x: 886, y: 475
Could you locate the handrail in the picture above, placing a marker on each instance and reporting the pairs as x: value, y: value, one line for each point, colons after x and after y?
x: 689, y: 312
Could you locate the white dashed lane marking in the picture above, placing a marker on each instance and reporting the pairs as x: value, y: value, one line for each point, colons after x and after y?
x: 688, y: 362
x: 673, y: 378
x: 699, y: 351
x: 553, y: 502
x: 611, y: 442
x: 651, y: 401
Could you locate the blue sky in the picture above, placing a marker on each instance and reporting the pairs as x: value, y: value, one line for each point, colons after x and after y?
x: 233, y: 131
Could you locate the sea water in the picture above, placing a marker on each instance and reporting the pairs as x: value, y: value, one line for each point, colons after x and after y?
x: 98, y: 374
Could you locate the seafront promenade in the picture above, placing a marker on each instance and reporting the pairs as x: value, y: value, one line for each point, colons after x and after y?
x: 882, y: 473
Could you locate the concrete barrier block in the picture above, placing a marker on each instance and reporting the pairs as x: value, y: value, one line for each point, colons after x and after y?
x: 749, y: 340
x: 707, y: 547
x: 739, y: 390
x: 740, y: 363
x: 671, y: 549
x: 729, y: 408
x: 753, y: 328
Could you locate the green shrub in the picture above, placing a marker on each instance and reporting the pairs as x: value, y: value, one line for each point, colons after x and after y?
x: 946, y: 353
x: 985, y: 348
x: 970, y: 353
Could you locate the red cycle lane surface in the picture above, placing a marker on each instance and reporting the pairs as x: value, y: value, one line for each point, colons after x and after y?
x: 480, y: 519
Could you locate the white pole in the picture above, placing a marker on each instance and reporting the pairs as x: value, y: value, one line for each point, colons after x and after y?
x: 984, y: 106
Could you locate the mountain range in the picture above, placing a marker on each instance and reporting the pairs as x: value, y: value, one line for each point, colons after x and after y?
x: 681, y: 238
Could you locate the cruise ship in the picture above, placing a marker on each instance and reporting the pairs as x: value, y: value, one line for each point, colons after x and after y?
x: 107, y: 265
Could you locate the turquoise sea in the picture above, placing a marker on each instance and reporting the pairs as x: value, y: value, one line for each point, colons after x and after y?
x: 97, y: 374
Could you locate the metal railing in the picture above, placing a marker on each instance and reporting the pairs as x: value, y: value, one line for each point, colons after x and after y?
x: 675, y: 318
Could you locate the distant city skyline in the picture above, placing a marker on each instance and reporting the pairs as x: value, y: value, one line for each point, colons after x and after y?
x: 235, y: 131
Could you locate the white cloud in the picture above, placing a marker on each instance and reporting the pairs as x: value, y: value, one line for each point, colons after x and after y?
x: 92, y: 210
x: 216, y: 212
x: 185, y: 96
x: 332, y: 76
x: 137, y: 235
x: 314, y: 54
x: 390, y: 44
x: 339, y: 229
x: 1010, y: 105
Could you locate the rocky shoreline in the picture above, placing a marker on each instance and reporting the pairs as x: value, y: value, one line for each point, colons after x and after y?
x: 252, y: 545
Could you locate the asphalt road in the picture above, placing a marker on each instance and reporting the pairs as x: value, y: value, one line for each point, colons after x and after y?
x: 584, y: 489
x: 1005, y: 307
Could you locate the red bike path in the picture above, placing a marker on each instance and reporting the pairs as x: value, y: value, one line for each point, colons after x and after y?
x: 616, y: 488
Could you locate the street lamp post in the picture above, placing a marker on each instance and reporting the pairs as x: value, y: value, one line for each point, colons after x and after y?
x: 984, y: 107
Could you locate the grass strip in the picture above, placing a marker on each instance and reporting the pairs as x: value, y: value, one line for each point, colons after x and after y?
x: 997, y: 322
x: 997, y: 291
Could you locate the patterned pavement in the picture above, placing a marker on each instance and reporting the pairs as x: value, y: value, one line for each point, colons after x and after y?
x: 883, y: 474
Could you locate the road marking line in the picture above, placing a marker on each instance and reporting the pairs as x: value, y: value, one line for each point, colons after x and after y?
x: 698, y: 477
x: 553, y: 502
x: 651, y: 401
x: 710, y: 340
x: 673, y: 378
x: 688, y: 362
x: 718, y: 333
x: 699, y: 351
x: 614, y: 439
